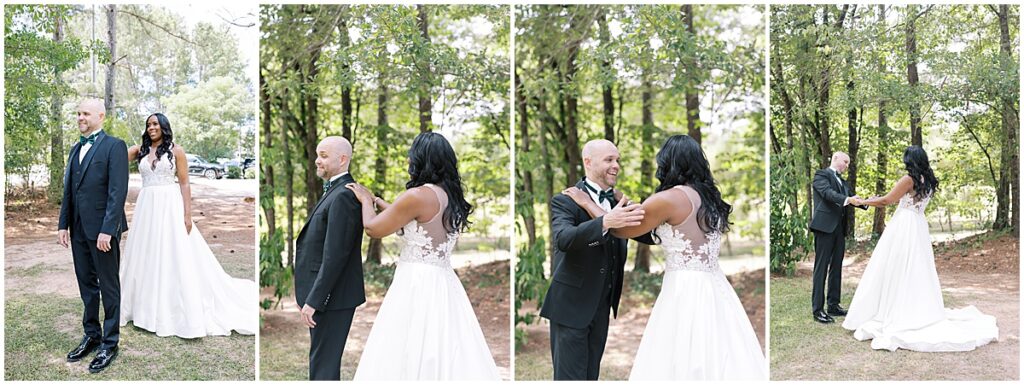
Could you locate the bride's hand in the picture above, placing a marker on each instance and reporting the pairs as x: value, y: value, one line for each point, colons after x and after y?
x: 362, y: 193
x: 188, y: 225
x: 577, y: 195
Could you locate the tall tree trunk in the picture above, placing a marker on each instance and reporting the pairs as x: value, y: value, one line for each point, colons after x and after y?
x: 779, y: 83
x: 1008, y: 193
x: 346, y: 87
x: 643, y: 251
x: 692, y: 103
x: 423, y: 67
x: 572, y: 145
x: 911, y: 52
x: 56, y: 186
x: 311, y: 98
x: 288, y: 122
x: 882, y: 159
x: 526, y: 178
x: 608, y: 78
x: 267, y: 192
x: 373, y: 255
x: 108, y: 88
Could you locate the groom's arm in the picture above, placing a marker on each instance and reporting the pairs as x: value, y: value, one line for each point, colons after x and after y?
x: 117, y: 188
x: 566, y: 233
x: 823, y: 186
x: 341, y: 225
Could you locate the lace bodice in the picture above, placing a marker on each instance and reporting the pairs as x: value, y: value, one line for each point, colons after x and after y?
x: 908, y: 202
x: 160, y: 174
x: 428, y: 242
x: 687, y: 247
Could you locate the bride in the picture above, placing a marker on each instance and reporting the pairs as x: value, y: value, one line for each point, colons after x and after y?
x: 425, y: 328
x: 171, y: 283
x: 898, y: 302
x: 698, y: 329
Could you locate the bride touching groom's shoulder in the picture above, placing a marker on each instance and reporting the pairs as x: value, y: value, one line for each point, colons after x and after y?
x: 698, y: 329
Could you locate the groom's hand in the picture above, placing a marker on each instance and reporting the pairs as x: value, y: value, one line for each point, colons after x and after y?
x: 307, y: 315
x: 623, y: 215
x: 63, y: 238
x: 103, y: 242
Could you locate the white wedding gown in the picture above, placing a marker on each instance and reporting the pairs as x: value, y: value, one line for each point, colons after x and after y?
x: 898, y: 303
x: 426, y: 328
x: 698, y: 329
x: 171, y: 283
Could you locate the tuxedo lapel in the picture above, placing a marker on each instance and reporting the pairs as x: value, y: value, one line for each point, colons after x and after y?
x: 345, y: 179
x: 71, y: 158
x: 89, y: 155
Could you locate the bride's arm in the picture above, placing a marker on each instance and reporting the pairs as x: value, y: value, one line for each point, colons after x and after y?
x: 133, y: 152
x: 409, y: 205
x: 903, y: 186
x: 657, y: 210
x: 181, y: 168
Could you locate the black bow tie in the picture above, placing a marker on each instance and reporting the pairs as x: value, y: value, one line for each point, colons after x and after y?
x: 608, y: 194
x: 91, y: 139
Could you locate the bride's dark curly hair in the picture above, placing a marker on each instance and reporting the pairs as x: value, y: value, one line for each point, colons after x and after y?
x: 165, y: 146
x: 681, y: 161
x: 432, y: 160
x: 916, y: 162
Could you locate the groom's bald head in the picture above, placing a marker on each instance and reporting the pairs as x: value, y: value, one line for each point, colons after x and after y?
x: 601, y: 162
x: 333, y: 156
x: 840, y: 161
x: 90, y: 114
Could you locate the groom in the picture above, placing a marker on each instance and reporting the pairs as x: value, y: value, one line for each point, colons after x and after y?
x: 91, y: 221
x: 832, y: 198
x: 328, y: 261
x: 588, y: 266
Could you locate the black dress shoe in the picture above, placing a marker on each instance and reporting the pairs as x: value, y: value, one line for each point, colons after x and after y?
x: 87, y: 346
x: 103, y: 360
x: 836, y: 310
x: 820, y: 316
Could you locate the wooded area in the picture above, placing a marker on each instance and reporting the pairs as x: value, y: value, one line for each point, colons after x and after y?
x: 872, y: 80
x: 378, y: 75
x: 634, y: 75
x: 139, y: 59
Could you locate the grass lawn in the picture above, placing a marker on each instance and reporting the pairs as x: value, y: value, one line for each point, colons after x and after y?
x: 40, y: 330
x: 801, y: 348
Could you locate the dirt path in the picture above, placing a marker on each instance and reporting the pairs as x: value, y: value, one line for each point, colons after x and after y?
x: 980, y: 270
x: 284, y: 340
x: 40, y: 285
x: 533, y: 360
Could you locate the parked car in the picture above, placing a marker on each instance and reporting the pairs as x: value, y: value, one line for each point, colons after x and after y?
x: 199, y: 166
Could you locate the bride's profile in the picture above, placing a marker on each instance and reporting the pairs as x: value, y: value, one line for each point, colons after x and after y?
x: 171, y: 282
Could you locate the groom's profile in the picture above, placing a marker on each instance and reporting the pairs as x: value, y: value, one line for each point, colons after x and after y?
x: 328, y: 261
x: 832, y: 201
x: 589, y: 262
x: 91, y: 221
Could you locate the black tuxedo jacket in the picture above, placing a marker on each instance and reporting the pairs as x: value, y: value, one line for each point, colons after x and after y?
x: 583, y: 256
x: 328, y: 257
x: 828, y: 194
x: 96, y: 188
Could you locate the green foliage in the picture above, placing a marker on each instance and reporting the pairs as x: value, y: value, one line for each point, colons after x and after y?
x: 965, y: 82
x: 271, y: 272
x: 234, y: 172
x: 213, y: 119
x: 531, y: 285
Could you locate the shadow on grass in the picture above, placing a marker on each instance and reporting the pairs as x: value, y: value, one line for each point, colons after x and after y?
x: 40, y: 330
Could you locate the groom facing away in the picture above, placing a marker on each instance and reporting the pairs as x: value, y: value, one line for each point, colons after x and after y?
x: 91, y: 220
x: 329, y: 263
x: 586, y: 280
x: 832, y: 200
